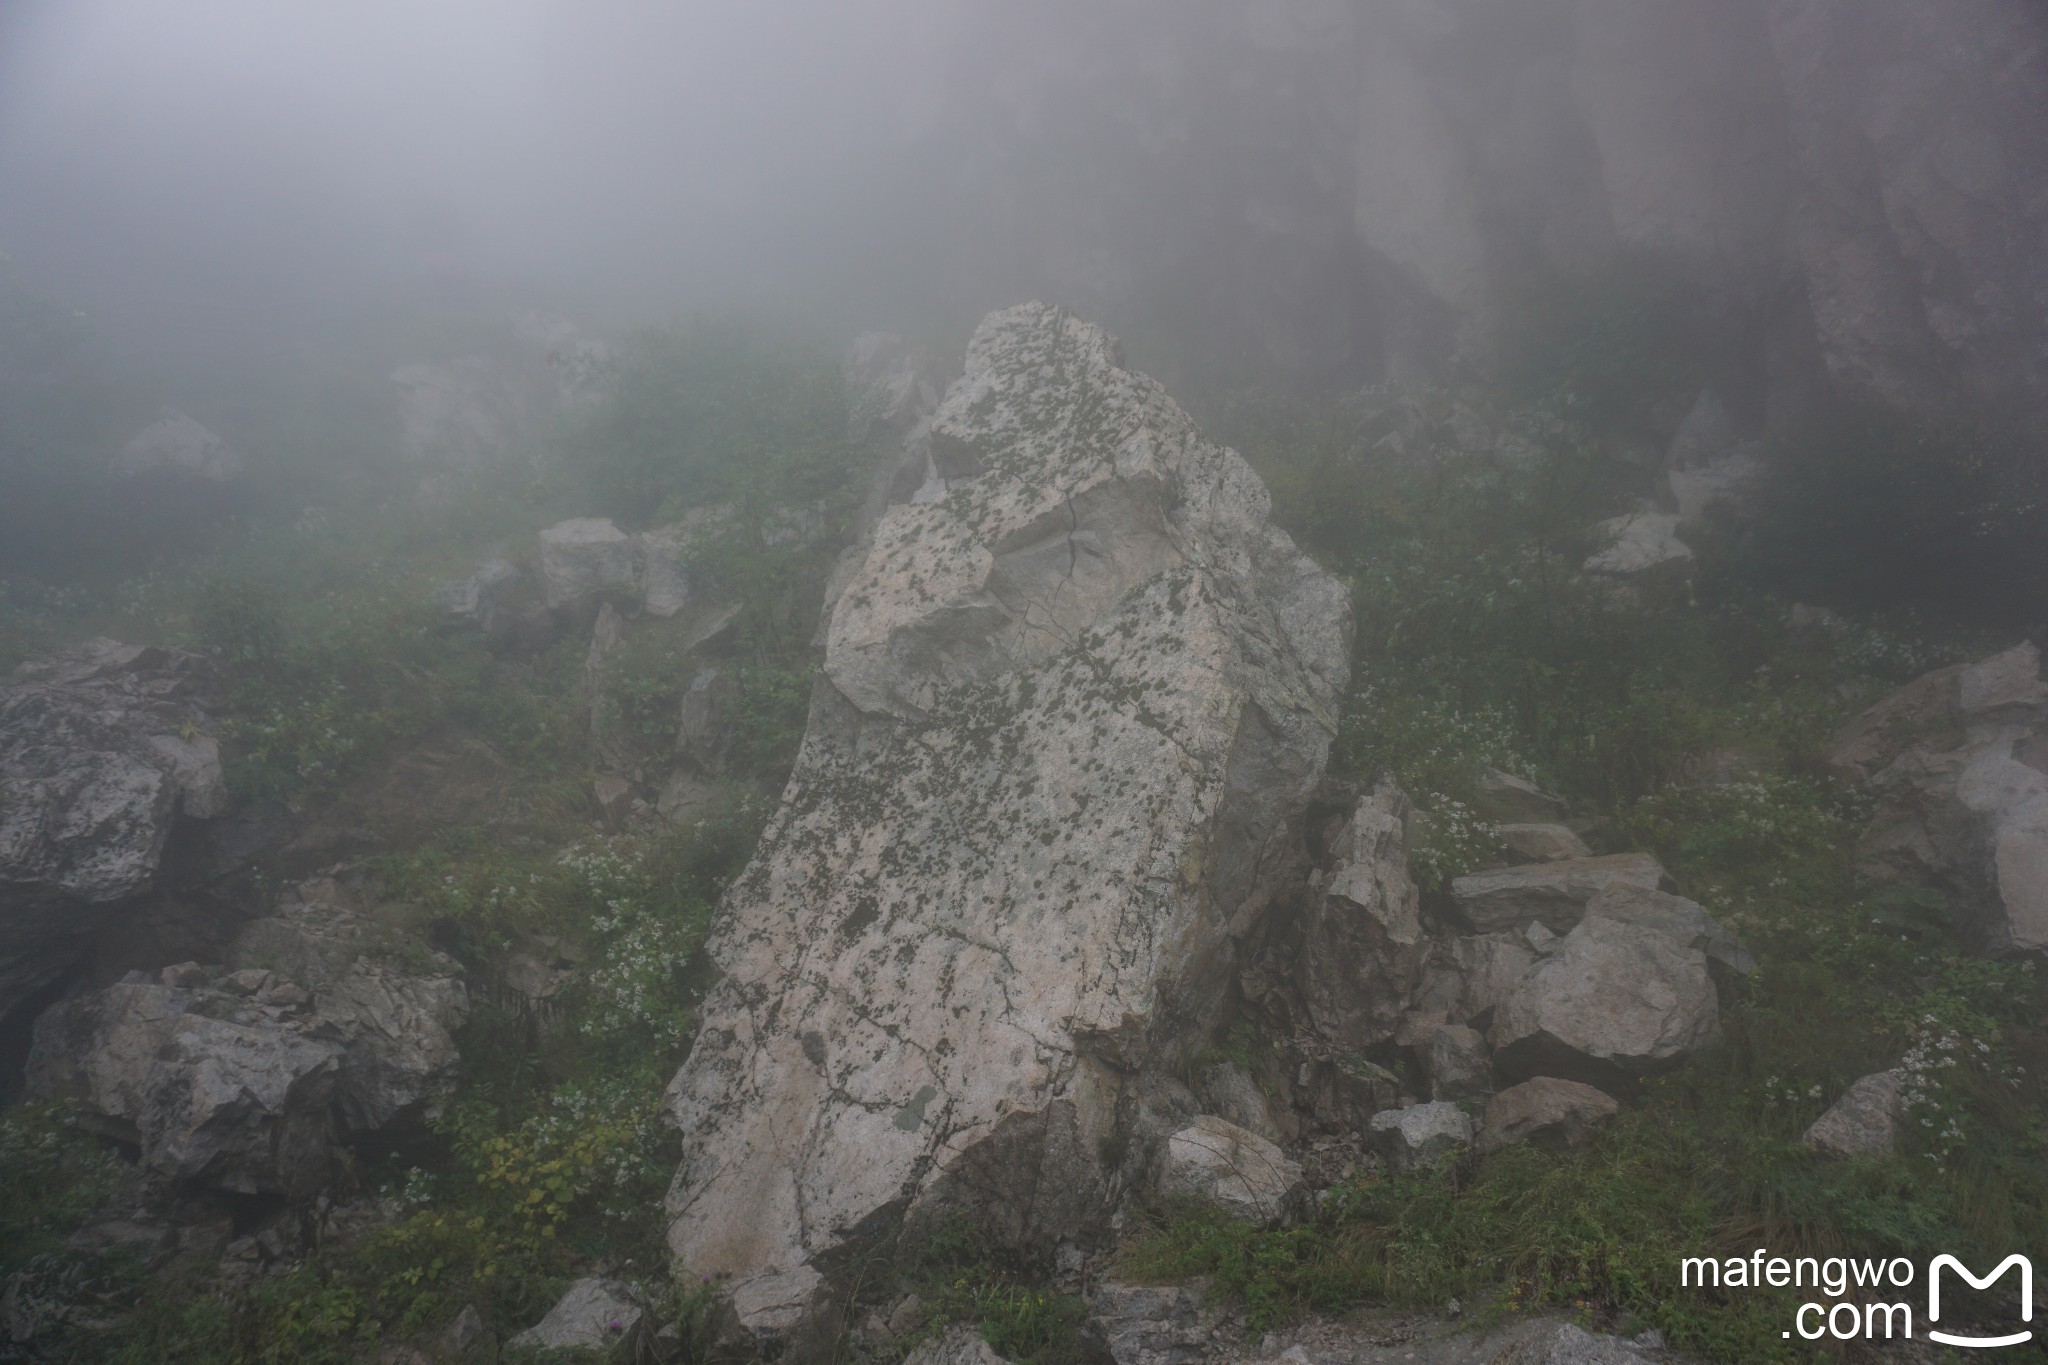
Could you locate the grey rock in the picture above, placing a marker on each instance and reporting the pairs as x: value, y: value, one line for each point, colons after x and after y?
x: 1417, y: 1137
x: 1508, y: 799
x: 1362, y: 942
x: 101, y: 748
x: 174, y: 445
x: 1150, y: 1325
x: 592, y: 1314
x: 583, y: 558
x: 704, y: 731
x: 1457, y: 1064
x: 1554, y: 894
x: 1470, y: 975
x: 956, y: 1346
x: 1239, y: 1172
x: 1569, y: 1344
x: 1640, y: 543
x: 1070, y: 718
x: 1230, y: 1092
x: 1684, y: 920
x: 1543, y: 843
x: 1544, y: 1112
x: 1865, y: 1121
x: 1616, y: 1002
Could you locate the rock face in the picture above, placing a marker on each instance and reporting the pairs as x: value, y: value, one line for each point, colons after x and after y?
x: 1239, y: 1172
x: 1617, y: 1001
x: 101, y: 750
x: 1959, y: 762
x: 1071, y: 713
x: 175, y: 446
x: 1865, y: 1121
x: 1545, y: 1112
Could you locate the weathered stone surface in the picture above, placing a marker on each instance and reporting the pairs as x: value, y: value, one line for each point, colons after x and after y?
x: 176, y: 446
x: 1957, y: 761
x: 1553, y: 894
x: 1150, y: 1325
x: 1614, y: 1003
x: 501, y: 601
x: 1471, y: 975
x: 396, y: 1026
x: 1569, y: 1344
x: 1508, y: 799
x: 1457, y: 1063
x: 1071, y: 713
x: 703, y: 723
x: 1419, y: 1136
x: 1229, y: 1091
x: 1865, y: 1121
x: 1239, y: 1172
x: 231, y: 1104
x: 1684, y: 920
x: 1543, y: 843
x: 1640, y: 543
x: 591, y: 1314
x: 1362, y: 943
x: 583, y: 558
x: 466, y: 1337
x: 1545, y: 1112
x: 100, y: 749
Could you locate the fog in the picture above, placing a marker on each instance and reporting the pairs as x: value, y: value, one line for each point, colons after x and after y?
x: 218, y: 168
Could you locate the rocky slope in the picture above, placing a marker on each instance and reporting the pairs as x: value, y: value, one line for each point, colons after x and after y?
x: 1075, y: 699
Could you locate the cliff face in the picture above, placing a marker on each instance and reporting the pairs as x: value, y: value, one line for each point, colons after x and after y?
x: 1345, y: 192
x: 1076, y: 696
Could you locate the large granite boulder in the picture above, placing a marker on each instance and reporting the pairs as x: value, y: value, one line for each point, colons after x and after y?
x: 1615, y: 1002
x: 1958, y: 760
x: 102, y: 749
x: 1070, y: 716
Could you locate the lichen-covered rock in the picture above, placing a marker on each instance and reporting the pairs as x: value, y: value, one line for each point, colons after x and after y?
x: 1545, y: 1112
x: 1866, y: 1120
x: 101, y: 748
x: 1362, y: 942
x: 1070, y: 715
x: 1614, y: 1003
x: 1417, y: 1137
x: 1554, y: 894
x: 1239, y: 1172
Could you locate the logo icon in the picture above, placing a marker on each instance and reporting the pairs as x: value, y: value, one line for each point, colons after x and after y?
x: 1934, y: 1298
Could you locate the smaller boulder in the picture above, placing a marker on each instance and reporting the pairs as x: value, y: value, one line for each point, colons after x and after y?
x: 1676, y: 916
x: 1506, y: 799
x: 1553, y: 893
x: 1640, y: 543
x: 1457, y: 1063
x: 1239, y: 1172
x: 176, y: 446
x: 1543, y: 843
x: 1865, y: 1121
x: 1544, y: 1112
x: 583, y: 558
x: 1417, y: 1137
x: 591, y: 1315
x: 956, y: 1346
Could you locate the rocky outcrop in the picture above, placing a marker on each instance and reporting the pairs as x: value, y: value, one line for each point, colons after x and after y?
x: 176, y: 447
x: 102, y: 749
x: 1071, y: 713
x: 1958, y: 761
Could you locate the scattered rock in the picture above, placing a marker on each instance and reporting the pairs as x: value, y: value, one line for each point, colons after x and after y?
x: 1553, y: 893
x: 956, y: 1346
x: 583, y: 558
x: 1457, y: 1064
x: 1544, y: 1112
x: 1417, y: 1137
x: 1543, y: 843
x: 1071, y: 714
x: 592, y: 1314
x: 1239, y: 1172
x: 1684, y: 920
x: 1469, y: 976
x: 1569, y: 1344
x: 176, y: 446
x: 1865, y: 1121
x: 1150, y: 1325
x: 1614, y: 1003
x: 1641, y: 543
x: 1506, y: 799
